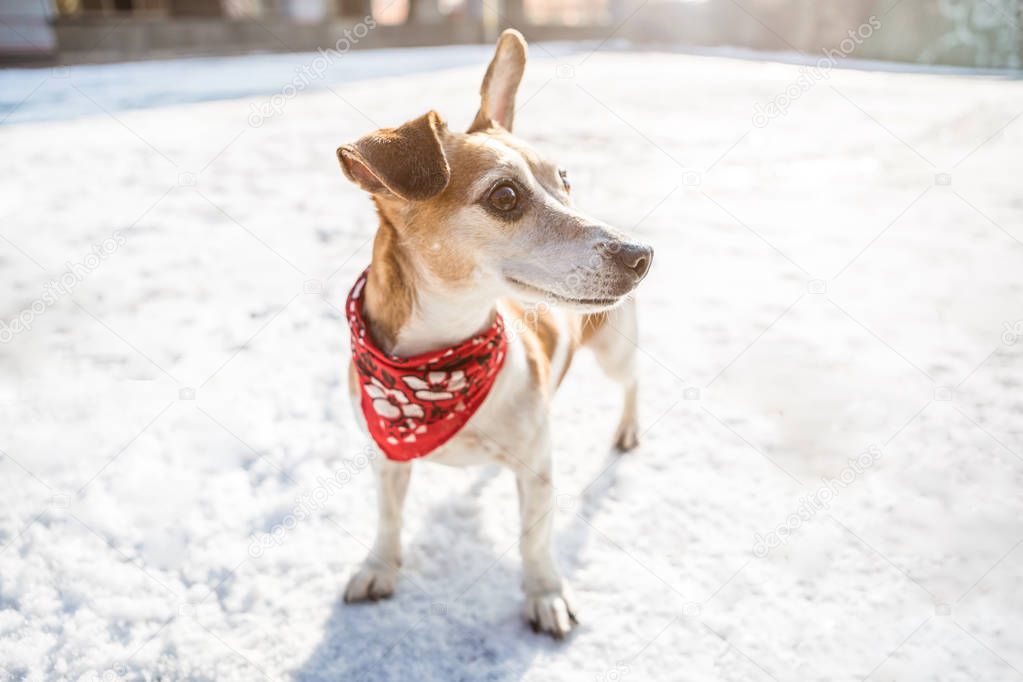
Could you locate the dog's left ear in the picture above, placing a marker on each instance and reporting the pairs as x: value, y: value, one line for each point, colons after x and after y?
x: 497, y: 94
x: 407, y: 162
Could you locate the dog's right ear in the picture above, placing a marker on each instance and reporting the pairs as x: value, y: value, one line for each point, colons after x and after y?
x: 407, y: 162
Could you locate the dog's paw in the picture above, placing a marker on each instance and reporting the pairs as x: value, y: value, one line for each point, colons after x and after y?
x: 370, y: 583
x: 550, y: 613
x: 627, y: 436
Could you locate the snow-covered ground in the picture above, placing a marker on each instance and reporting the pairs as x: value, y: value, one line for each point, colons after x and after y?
x: 184, y: 495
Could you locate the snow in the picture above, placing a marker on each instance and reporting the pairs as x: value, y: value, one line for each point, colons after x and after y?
x: 185, y: 494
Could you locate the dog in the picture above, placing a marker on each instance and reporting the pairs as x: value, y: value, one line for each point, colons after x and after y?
x: 484, y: 281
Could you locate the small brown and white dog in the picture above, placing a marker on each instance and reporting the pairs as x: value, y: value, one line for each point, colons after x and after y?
x: 472, y: 226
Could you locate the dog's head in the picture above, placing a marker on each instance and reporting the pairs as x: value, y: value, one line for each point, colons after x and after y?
x: 483, y: 209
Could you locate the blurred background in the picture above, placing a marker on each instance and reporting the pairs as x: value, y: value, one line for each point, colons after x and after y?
x: 977, y: 33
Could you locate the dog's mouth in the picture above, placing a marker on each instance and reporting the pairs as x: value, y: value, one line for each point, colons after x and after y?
x: 547, y: 294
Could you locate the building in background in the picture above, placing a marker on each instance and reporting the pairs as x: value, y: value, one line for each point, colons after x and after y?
x: 26, y: 31
x: 973, y: 33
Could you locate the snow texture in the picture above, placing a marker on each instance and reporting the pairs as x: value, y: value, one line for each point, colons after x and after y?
x: 184, y: 494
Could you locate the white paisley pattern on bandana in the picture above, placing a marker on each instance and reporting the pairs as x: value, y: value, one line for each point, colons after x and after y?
x: 414, y: 405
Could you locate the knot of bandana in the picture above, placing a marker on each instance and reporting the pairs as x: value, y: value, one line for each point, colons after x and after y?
x: 416, y: 404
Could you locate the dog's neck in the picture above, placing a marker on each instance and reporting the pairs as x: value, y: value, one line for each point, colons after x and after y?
x: 409, y: 310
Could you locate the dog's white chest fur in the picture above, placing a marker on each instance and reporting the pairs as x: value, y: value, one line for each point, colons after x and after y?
x: 513, y: 414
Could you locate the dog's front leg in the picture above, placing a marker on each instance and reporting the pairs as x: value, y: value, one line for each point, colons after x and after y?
x: 378, y: 574
x: 547, y: 605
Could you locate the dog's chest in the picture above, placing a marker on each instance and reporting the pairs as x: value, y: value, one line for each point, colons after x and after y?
x: 506, y: 426
x: 510, y: 419
x: 507, y: 421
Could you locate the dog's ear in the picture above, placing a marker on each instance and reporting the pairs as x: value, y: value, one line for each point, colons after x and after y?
x: 407, y: 162
x: 497, y: 94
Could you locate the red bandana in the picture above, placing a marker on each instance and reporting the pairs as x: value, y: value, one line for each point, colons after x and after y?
x: 414, y: 405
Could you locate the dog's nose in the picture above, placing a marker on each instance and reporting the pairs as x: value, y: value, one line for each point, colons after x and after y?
x: 633, y: 257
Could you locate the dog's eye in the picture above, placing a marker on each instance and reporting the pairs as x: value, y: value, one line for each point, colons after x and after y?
x: 504, y: 198
x: 564, y: 179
